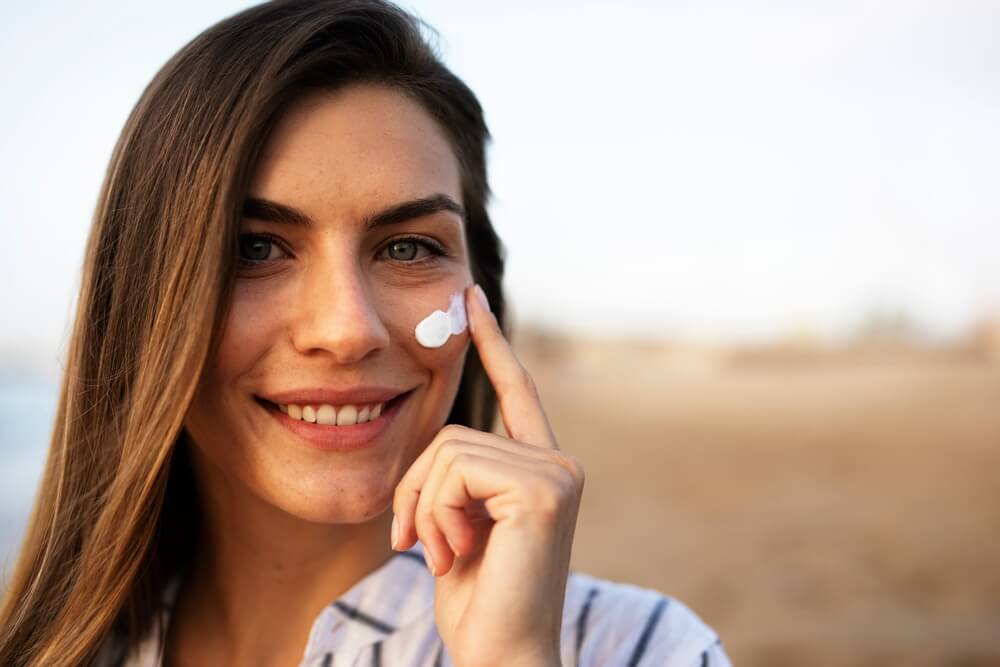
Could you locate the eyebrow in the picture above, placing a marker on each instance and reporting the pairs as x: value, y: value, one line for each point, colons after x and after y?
x: 271, y: 211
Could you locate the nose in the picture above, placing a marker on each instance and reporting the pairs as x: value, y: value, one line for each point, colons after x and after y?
x: 336, y: 315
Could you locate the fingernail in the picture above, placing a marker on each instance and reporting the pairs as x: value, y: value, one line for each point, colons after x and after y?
x: 452, y: 547
x: 395, y: 531
x: 482, y: 298
x: 430, y: 561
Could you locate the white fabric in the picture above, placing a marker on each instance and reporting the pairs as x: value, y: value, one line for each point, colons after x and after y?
x: 387, y: 619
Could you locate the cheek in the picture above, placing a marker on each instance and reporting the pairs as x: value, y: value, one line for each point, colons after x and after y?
x: 444, y: 362
x: 245, y: 337
x: 403, y: 311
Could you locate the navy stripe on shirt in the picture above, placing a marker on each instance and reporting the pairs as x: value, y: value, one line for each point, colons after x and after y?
x: 357, y: 614
x: 581, y: 621
x: 327, y: 660
x: 647, y: 632
x: 704, y: 654
x: 377, y: 654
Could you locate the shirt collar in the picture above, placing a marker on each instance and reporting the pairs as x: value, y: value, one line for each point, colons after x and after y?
x: 397, y: 594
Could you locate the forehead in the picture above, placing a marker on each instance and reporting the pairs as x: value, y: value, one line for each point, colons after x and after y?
x: 355, y: 150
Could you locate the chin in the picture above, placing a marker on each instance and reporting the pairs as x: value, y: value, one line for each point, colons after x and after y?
x: 351, y: 501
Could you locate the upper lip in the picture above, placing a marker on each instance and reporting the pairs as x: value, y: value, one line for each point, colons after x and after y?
x: 334, y: 396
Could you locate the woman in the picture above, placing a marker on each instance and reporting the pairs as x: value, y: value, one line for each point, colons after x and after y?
x: 251, y: 420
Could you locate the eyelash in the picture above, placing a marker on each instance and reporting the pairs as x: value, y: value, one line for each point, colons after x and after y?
x: 433, y: 247
x: 430, y: 245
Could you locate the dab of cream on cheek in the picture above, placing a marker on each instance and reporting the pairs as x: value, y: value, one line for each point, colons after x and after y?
x: 435, y: 329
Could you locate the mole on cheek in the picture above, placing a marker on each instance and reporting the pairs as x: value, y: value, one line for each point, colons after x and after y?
x: 435, y: 329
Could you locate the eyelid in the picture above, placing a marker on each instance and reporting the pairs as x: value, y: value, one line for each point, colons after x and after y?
x: 434, y: 247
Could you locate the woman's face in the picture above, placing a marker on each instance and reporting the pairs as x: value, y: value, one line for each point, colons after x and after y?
x: 324, y: 310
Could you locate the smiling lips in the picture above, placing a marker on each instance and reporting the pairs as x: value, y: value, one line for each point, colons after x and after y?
x: 330, y: 415
x: 331, y: 406
x: 337, y: 419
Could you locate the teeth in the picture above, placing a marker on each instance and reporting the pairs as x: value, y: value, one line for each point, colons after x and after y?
x: 309, y: 414
x: 326, y: 414
x: 329, y: 415
x: 347, y: 416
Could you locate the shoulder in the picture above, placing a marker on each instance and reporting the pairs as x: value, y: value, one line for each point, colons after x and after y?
x: 612, y: 623
x: 117, y: 651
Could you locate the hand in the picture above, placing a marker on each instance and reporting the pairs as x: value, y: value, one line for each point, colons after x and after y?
x: 496, y: 517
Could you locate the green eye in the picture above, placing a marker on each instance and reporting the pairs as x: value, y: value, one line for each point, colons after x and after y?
x: 417, y: 251
x: 403, y: 251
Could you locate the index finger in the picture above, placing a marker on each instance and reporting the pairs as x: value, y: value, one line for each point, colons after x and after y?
x: 520, y: 407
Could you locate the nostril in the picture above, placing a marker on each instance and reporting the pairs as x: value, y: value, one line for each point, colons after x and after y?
x: 343, y: 331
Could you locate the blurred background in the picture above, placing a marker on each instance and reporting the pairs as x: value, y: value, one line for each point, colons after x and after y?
x: 753, y: 267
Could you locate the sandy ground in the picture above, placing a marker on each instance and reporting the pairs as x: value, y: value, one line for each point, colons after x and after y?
x: 815, y: 508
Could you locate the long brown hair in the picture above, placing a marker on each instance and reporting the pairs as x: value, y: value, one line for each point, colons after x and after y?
x: 116, y: 510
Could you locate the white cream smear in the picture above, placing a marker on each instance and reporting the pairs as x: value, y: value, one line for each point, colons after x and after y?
x: 435, y: 329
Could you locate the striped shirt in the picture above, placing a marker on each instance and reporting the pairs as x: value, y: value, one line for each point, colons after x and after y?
x: 387, y: 619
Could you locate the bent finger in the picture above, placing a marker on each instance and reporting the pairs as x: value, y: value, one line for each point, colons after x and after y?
x: 448, y: 532
x: 407, y: 494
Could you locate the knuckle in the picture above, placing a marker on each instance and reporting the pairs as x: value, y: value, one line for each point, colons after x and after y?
x: 442, y: 514
x: 548, y: 497
x: 452, y: 432
x: 527, y: 382
x: 548, y: 505
x: 519, y: 381
x: 460, y: 460
x: 447, y: 450
x: 574, y: 466
x: 424, y: 517
x: 564, y: 468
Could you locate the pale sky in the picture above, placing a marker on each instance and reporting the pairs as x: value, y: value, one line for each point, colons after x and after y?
x: 677, y: 168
